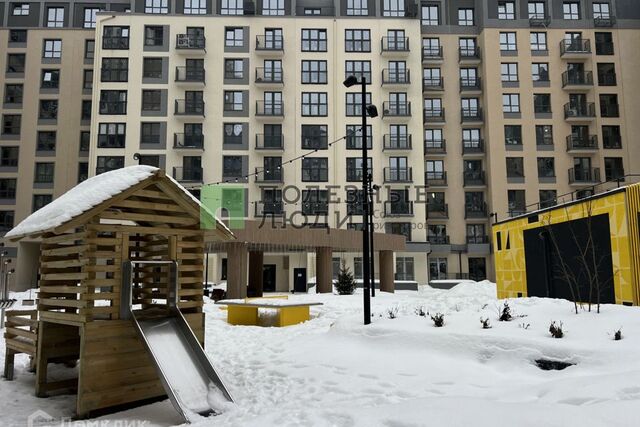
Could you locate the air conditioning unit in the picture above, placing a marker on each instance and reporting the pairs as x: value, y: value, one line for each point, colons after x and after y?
x: 183, y: 40
x: 385, y: 112
x: 258, y: 79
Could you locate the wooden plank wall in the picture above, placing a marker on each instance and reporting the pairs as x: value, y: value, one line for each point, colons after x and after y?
x: 56, y: 343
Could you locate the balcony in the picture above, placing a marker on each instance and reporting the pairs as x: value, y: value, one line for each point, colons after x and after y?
x: 396, y: 109
x: 434, y: 84
x: 399, y: 208
x: 435, y: 147
x: 470, y: 84
x: 577, y: 80
x: 437, y: 210
x: 396, y: 142
x: 582, y: 143
x: 434, y: 116
x: 269, y: 142
x: 394, y: 45
x: 435, y: 179
x: 584, y: 176
x: 477, y: 240
x: 190, y: 75
x: 317, y: 10
x: 432, y: 54
x: 471, y: 115
x: 268, y: 209
x: 475, y: 210
x: 269, y: 109
x: 189, y: 108
x: 398, y: 174
x: 187, y: 174
x: 604, y: 21
x: 395, y: 77
x: 576, y: 48
x: 609, y: 110
x: 269, y: 76
x: 474, y: 178
x: 469, y: 54
x: 539, y: 21
x: 265, y: 176
x: 579, y: 111
x: 269, y: 44
x: 438, y: 240
x: 190, y: 141
x: 191, y: 43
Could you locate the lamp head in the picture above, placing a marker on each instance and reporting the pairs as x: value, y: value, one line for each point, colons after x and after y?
x: 350, y: 81
x: 372, y: 111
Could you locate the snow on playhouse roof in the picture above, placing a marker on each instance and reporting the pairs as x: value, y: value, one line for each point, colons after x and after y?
x: 89, y: 194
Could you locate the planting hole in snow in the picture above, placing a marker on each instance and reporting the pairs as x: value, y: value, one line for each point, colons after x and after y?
x: 552, y: 365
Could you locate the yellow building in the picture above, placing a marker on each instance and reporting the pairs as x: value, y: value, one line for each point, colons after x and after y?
x: 584, y: 247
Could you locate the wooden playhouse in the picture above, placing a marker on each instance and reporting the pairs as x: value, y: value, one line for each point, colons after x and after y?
x: 132, y: 214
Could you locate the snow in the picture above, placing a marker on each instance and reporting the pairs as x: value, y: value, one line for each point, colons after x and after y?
x: 334, y: 371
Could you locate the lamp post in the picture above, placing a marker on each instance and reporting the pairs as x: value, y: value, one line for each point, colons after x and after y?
x: 366, y: 268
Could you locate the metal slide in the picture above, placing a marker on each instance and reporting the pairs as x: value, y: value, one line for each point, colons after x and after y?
x: 188, y: 377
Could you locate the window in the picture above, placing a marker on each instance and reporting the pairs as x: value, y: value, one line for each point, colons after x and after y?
x: 606, y: 74
x: 611, y: 137
x: 13, y: 93
x: 433, y: 139
x: 20, y: 9
x: 151, y: 68
x: 433, y: 108
x: 613, y: 168
x: 234, y: 37
x: 437, y: 234
x: 546, y: 167
x: 314, y: 137
x: 548, y: 198
x: 46, y: 141
x: 513, y: 135
x: 86, y: 110
x: 393, y: 8
x: 41, y: 200
x: 357, y: 40
x: 152, y: 100
x: 314, y: 103
x: 538, y: 41
x: 508, y: 41
x: 544, y: 135
x: 11, y: 124
x: 315, y: 202
x: 273, y: 7
x: 6, y: 220
x: 233, y: 100
x: 89, y: 49
x: 15, y: 62
x: 52, y: 49
x: 609, y: 105
x: 354, y: 103
x: 314, y: 40
x: 87, y: 79
x: 509, y: 72
x: 404, y: 269
x: 48, y: 109
x: 314, y: 72
x: 55, y: 17
x: 571, y: 10
x: 354, y: 199
x: 114, y: 70
x: 153, y: 35
x: 354, y: 137
x: 536, y: 10
x: 601, y: 11
x: 358, y: 69
x: 156, y: 6
x: 465, y: 17
x: 8, y: 188
x: 44, y: 173
x: 354, y: 168
x: 273, y: 103
x: 90, y: 17
x: 17, y: 36
x: 232, y: 166
x: 85, y: 140
x: 430, y: 15
x: 467, y: 47
x: 511, y: 103
x: 232, y: 7
x: 506, y: 10
x: 357, y: 8
x: 401, y: 228
x: 195, y: 7
x: 438, y: 268
x: 542, y: 103
x: 540, y: 72
x: 109, y: 163
x: 114, y: 37
x: 315, y: 169
x: 111, y: 135
x: 234, y: 69
x: 604, y: 44
x: 9, y: 156
x: 150, y: 133
x: 113, y: 102
x: 232, y: 133
x: 517, y: 202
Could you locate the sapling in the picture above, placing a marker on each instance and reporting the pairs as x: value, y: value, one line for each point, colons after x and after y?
x: 486, y: 324
x: 438, y: 320
x: 420, y: 311
x: 504, y: 314
x: 617, y: 336
x: 555, y: 329
x: 392, y: 312
x: 524, y: 325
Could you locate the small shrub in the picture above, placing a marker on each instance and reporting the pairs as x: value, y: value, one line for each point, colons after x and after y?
x: 504, y: 314
x: 420, y: 311
x: 438, y: 320
x: 555, y: 329
x: 524, y: 325
x: 486, y: 324
x: 346, y: 284
x: 392, y: 312
x: 617, y: 336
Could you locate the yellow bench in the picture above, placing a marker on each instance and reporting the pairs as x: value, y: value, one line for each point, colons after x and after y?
x: 245, y: 312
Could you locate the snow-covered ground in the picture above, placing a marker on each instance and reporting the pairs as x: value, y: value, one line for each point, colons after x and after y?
x: 333, y: 371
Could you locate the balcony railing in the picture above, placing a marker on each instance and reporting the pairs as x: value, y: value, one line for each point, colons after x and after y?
x: 113, y: 107
x: 539, y: 20
x: 269, y: 142
x: 471, y: 114
x: 437, y: 210
x: 433, y: 83
x: 473, y: 146
x: 577, y: 143
x: 397, y: 142
x: 470, y: 84
x: 435, y: 179
x: 474, y: 178
x: 475, y: 210
x: 477, y: 240
x: 269, y: 75
x: 396, y: 109
x: 469, y: 53
x: 269, y: 109
x: 438, y: 240
x: 187, y: 174
x: 189, y: 108
x: 431, y: 115
x: 189, y: 74
x: 394, y: 44
x: 399, y: 208
x: 395, y: 76
x: 189, y: 41
x: 583, y: 110
x: 182, y: 140
x: 270, y: 43
x: 435, y: 146
x: 584, y: 175
x: 609, y: 110
x: 398, y: 174
x: 577, y: 78
x: 269, y: 209
x: 432, y: 53
x: 575, y: 46
x: 270, y: 175
x: 604, y: 21
x: 612, y: 141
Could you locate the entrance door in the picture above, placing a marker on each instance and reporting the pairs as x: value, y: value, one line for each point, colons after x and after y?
x: 269, y: 277
x: 477, y: 269
x: 300, y: 280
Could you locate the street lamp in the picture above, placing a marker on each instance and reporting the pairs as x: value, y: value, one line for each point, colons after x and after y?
x: 372, y: 112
